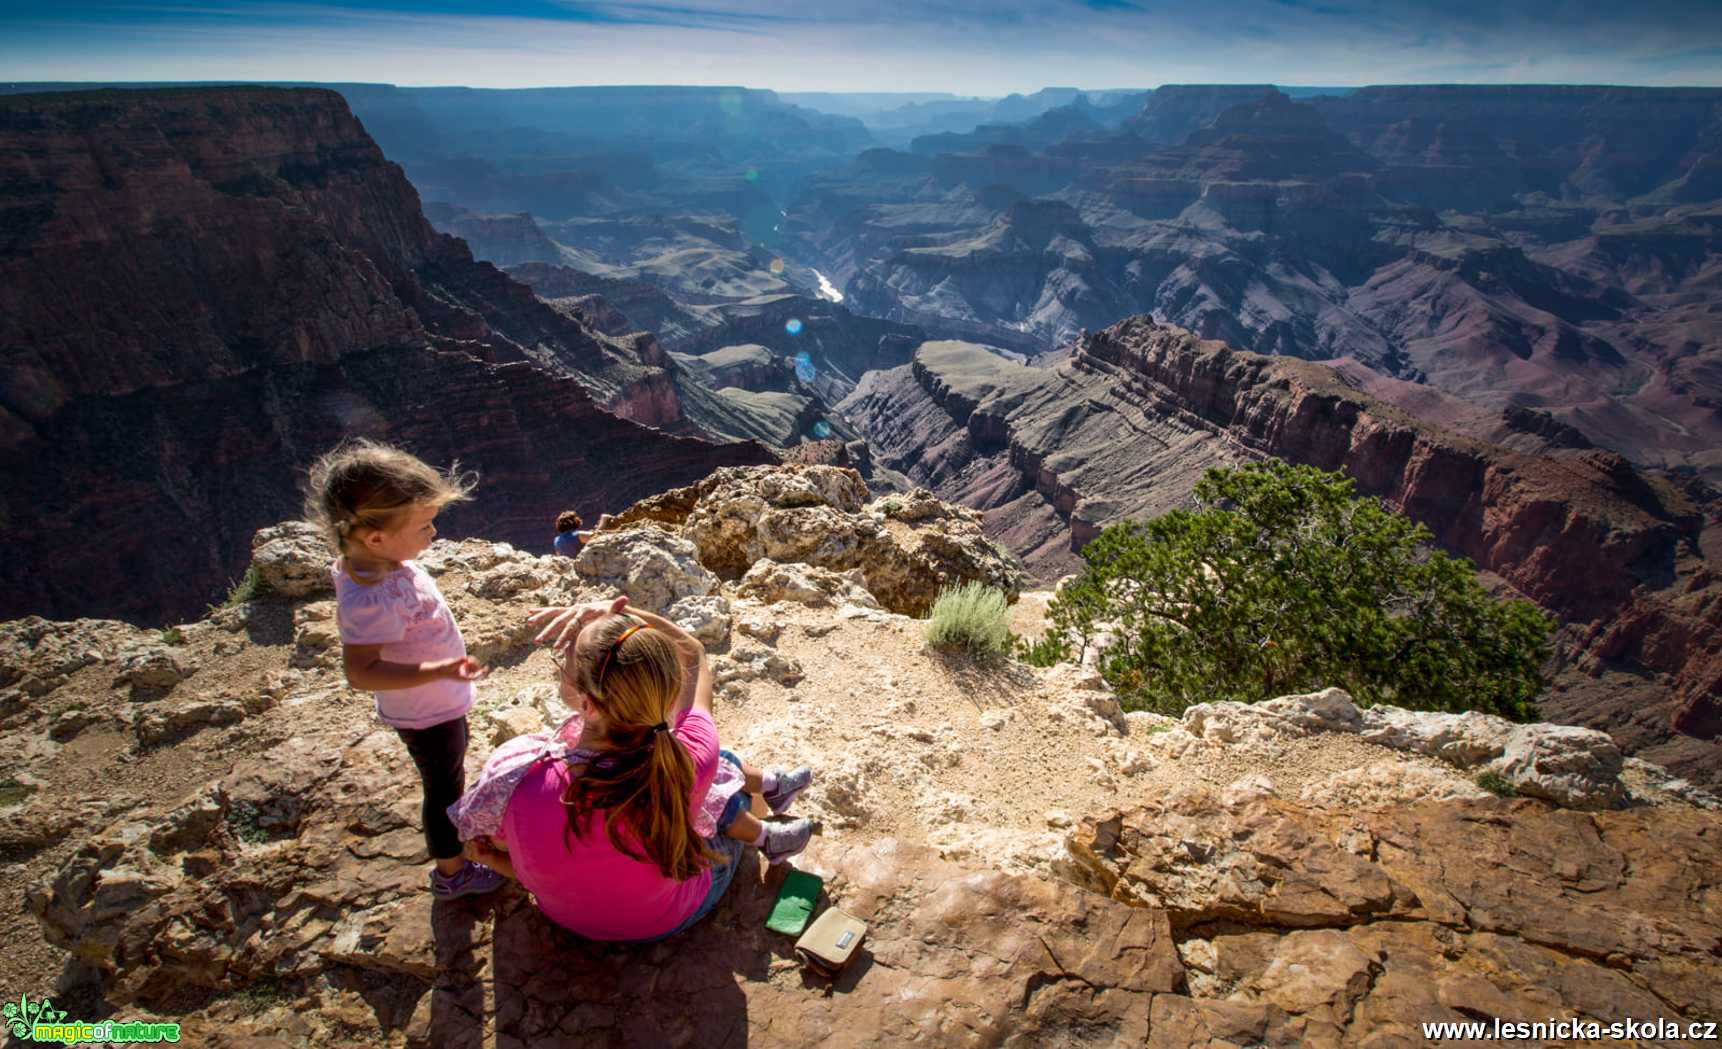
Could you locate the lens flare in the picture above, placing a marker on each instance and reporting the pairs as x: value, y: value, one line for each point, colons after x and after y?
x: 776, y: 264
x: 752, y: 175
x: 804, y: 368
x: 793, y: 327
x: 822, y: 429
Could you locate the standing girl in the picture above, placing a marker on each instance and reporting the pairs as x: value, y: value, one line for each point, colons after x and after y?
x: 398, y: 637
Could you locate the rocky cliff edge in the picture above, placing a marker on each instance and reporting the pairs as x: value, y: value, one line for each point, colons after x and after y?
x: 209, y: 827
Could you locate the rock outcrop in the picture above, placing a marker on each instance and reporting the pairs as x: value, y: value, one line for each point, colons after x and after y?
x: 906, y: 548
x: 205, y: 288
x: 506, y: 240
x: 1570, y: 766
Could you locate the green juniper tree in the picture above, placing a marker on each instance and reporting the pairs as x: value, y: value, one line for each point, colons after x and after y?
x: 1283, y: 580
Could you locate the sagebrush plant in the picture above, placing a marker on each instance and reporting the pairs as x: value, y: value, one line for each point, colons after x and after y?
x: 970, y: 616
x: 1283, y: 580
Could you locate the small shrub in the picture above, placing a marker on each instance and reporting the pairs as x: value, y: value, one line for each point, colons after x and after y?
x: 892, y: 507
x: 972, y: 617
x: 173, y: 636
x: 245, y: 823
x: 261, y: 996
x: 249, y: 587
x: 1283, y: 580
x: 1491, y: 781
x: 1050, y: 649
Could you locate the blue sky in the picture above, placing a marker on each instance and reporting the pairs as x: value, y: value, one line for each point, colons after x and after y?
x: 971, y: 48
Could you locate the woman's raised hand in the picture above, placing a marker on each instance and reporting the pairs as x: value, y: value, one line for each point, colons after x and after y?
x: 564, y: 622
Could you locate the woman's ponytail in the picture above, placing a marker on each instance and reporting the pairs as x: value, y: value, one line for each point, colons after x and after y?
x: 644, y: 786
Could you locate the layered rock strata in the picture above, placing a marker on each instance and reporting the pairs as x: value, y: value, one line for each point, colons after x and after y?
x: 203, y: 289
x: 1416, y: 231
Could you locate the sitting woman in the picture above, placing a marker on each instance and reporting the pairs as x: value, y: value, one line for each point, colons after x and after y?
x: 569, y: 537
x: 628, y: 823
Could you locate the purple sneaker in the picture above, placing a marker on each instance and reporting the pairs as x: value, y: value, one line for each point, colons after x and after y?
x: 470, y: 880
x: 783, y: 840
x: 789, y: 785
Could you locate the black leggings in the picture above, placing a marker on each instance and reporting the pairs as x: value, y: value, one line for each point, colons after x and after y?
x: 440, y: 754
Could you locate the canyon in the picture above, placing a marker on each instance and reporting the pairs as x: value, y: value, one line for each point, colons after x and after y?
x: 200, y: 290
x: 1050, y: 320
x: 1542, y: 248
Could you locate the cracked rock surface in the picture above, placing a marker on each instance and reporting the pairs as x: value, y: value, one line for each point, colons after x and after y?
x: 1302, y: 925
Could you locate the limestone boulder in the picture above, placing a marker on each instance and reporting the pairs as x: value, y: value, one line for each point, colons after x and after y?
x: 171, y: 721
x: 500, y: 724
x: 749, y: 661
x: 1464, y: 740
x: 151, y: 668
x: 1575, y: 767
x: 292, y: 559
x: 474, y: 557
x: 655, y: 568
x: 707, y: 618
x: 1568, y: 765
x: 815, y: 514
x: 1287, y: 717
x: 316, y: 636
x: 769, y: 581
x: 38, y: 655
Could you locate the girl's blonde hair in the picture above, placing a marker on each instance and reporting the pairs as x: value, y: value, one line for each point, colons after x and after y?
x: 362, y: 483
x: 631, y: 674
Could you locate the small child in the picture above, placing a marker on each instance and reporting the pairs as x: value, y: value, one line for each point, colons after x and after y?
x: 398, y: 637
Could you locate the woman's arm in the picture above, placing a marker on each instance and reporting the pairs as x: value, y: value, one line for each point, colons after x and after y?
x: 566, y: 622
x: 696, y: 669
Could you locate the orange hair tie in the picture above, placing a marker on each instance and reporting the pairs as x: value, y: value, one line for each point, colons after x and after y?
x: 615, y: 646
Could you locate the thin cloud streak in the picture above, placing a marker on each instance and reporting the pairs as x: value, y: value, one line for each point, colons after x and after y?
x: 938, y: 45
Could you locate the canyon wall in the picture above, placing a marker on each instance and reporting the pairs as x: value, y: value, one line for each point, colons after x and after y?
x: 201, y: 289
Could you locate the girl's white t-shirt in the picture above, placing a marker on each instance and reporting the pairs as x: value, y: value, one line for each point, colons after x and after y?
x: 405, y: 613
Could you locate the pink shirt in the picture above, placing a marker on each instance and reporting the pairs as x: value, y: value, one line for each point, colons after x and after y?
x: 405, y: 613
x: 584, y: 884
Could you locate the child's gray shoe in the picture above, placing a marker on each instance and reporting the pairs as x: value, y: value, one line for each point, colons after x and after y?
x: 471, y: 880
x: 783, y: 840
x: 789, y: 785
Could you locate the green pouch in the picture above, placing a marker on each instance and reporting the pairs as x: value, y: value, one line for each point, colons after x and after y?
x: 794, y: 904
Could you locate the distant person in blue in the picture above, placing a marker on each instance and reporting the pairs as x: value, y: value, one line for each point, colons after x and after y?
x: 569, y: 538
